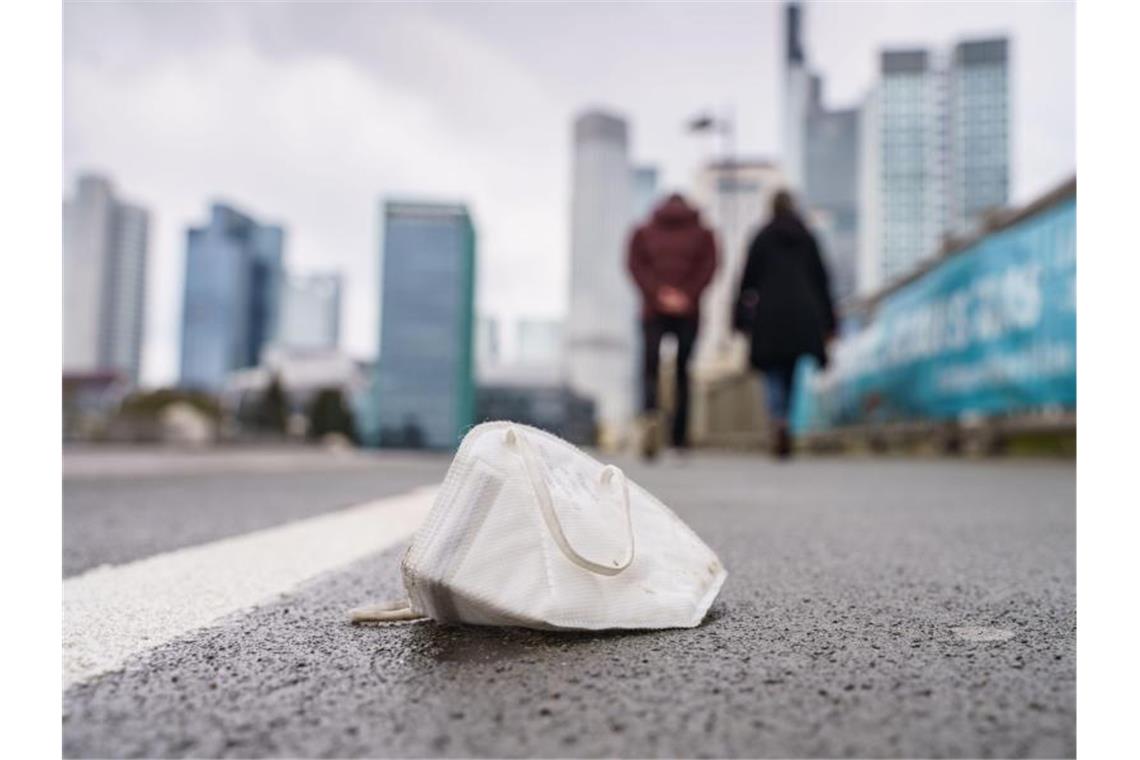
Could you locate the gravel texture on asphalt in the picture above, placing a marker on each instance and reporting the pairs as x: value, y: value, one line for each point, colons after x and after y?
x: 873, y: 608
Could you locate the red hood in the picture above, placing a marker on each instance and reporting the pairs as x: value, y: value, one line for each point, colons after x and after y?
x: 675, y: 212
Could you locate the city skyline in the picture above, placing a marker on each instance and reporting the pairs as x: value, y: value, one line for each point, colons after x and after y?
x: 144, y: 106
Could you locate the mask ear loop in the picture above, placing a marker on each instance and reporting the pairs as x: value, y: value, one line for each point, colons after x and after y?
x: 384, y: 612
x: 515, y: 438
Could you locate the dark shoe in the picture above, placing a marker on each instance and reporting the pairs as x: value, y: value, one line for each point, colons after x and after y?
x: 782, y: 442
x: 785, y: 444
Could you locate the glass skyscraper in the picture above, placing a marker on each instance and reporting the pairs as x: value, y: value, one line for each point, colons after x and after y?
x: 425, y: 388
x: 830, y: 189
x: 912, y: 161
x: 934, y: 156
x: 233, y: 282
x: 978, y: 130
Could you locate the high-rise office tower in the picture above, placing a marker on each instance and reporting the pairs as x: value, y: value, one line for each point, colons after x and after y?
x: 425, y: 386
x: 104, y: 281
x: 600, y: 345
x: 910, y: 126
x: 830, y: 194
x: 797, y: 86
x: 978, y: 130
x: 231, y: 306
x: 934, y: 154
x: 310, y: 312
x: 821, y: 153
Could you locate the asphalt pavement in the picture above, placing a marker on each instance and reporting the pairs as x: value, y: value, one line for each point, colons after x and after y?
x: 123, y: 505
x: 874, y: 607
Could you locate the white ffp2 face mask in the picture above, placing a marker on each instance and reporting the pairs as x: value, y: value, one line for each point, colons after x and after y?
x: 528, y: 530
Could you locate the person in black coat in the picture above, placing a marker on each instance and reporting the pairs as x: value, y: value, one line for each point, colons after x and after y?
x: 784, y: 304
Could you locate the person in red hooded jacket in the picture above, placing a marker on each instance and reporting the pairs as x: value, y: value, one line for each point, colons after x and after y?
x: 672, y: 259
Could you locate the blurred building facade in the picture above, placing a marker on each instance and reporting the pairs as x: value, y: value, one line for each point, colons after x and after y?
x: 425, y: 389
x: 978, y: 125
x: 906, y: 211
x: 536, y: 394
x: 926, y: 155
x: 231, y: 305
x: 830, y: 192
x: 488, y: 342
x: 934, y: 156
x: 539, y: 341
x: 645, y: 191
x: 105, y: 252
x: 821, y: 152
x: 310, y: 312
x: 796, y: 89
x: 600, y: 329
x: 521, y: 341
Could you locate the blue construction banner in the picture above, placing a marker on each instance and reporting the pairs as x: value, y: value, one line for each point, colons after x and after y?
x: 991, y: 330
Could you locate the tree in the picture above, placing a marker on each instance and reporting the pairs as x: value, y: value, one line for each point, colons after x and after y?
x: 329, y: 414
x: 149, y: 404
x: 273, y: 410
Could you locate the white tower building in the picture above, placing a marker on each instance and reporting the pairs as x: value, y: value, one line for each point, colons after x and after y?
x: 601, y: 351
x: 104, y: 281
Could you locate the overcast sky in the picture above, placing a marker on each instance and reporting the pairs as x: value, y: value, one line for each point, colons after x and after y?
x: 306, y: 114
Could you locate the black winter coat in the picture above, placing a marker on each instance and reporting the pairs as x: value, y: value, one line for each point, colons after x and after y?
x: 784, y: 301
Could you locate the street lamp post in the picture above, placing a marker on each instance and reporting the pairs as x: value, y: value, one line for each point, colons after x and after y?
x: 724, y: 126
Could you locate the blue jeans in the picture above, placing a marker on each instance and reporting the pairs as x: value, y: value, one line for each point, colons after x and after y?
x: 778, y: 391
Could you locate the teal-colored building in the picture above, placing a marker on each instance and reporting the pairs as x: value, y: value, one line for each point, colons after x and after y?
x: 231, y: 297
x: 424, y: 388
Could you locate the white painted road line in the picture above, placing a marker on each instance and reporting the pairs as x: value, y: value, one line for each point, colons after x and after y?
x: 113, y: 613
x: 125, y: 464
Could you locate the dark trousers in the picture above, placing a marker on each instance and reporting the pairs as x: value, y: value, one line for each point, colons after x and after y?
x: 653, y: 329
